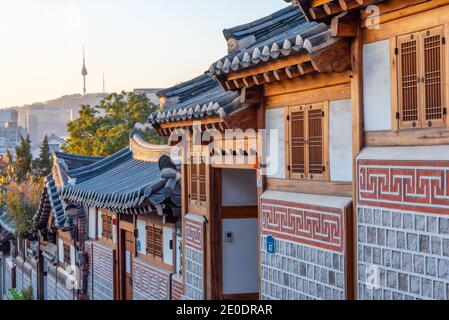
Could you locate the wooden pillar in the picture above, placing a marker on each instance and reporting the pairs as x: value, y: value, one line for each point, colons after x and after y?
x: 358, y: 137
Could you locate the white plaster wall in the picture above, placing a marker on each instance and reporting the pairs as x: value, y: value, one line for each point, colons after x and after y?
x: 275, y: 124
x: 239, y: 187
x: 100, y: 224
x: 72, y: 255
x: 61, y: 250
x: 340, y: 140
x: 377, y: 86
x: 168, y: 253
x: 240, y: 257
x: 92, y: 218
x: 142, y: 230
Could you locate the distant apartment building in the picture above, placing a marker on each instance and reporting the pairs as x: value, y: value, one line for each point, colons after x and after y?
x: 150, y: 93
x: 10, y: 134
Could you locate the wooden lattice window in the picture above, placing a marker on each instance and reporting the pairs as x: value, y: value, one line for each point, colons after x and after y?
x: 154, y: 240
x: 107, y: 226
x: 66, y: 255
x: 420, y: 76
x: 198, y: 182
x: 308, y: 141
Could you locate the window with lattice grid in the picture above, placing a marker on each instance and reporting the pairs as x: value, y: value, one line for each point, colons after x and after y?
x: 154, y: 240
x: 66, y: 255
x: 308, y: 137
x: 421, y: 79
x: 107, y: 226
x: 197, y: 181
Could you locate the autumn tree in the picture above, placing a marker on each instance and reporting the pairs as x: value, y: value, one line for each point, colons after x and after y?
x: 104, y: 129
x: 24, y: 158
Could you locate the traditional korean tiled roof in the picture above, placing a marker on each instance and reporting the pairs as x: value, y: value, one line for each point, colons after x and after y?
x: 198, y: 98
x: 281, y: 34
x: 51, y: 202
x: 126, y: 181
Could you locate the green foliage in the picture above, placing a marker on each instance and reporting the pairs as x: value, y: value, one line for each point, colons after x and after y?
x: 42, y: 166
x: 24, y: 159
x: 26, y: 294
x: 104, y: 129
x: 22, y: 202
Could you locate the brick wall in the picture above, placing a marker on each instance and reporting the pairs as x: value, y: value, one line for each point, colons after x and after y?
x: 309, y: 260
x: 26, y: 276
x: 150, y: 282
x: 194, y: 257
x: 177, y: 287
x: 10, y: 271
x: 103, y: 271
x: 403, y: 229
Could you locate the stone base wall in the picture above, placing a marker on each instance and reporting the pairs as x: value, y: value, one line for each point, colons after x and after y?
x: 26, y: 276
x: 10, y: 275
x: 150, y: 282
x: 403, y: 229
x: 303, y: 249
x: 102, y: 272
x: 194, y: 257
x: 58, y: 287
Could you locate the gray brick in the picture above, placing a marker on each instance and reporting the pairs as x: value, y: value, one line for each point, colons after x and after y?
x: 328, y: 260
x: 398, y: 296
x: 407, y: 262
x: 400, y: 240
x: 436, y: 246
x: 396, y: 260
x: 403, y: 282
x: 372, y: 235
x: 386, y: 219
x: 397, y: 220
x: 391, y: 239
x: 443, y: 269
x: 368, y: 254
x: 388, y: 295
x: 386, y: 261
x: 419, y: 266
x: 377, y: 256
x: 392, y: 280
x: 377, y: 218
x: 412, y: 242
x: 381, y: 237
x: 369, y: 216
x: 420, y: 223
x: 362, y: 231
x: 446, y: 247
x: 431, y: 267
x: 427, y: 288
x: 360, y: 216
x: 444, y: 226
x: 408, y: 222
x: 432, y: 225
x: 415, y: 285
x: 438, y: 292
x: 336, y: 261
x: 424, y: 244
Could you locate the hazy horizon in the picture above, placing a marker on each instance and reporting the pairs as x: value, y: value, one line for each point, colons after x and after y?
x: 136, y: 43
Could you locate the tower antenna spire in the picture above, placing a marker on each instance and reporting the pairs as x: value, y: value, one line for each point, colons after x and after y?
x: 84, y: 73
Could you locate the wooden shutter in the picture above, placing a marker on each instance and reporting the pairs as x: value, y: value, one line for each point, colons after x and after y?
x: 433, y: 66
x: 315, y: 141
x: 194, y: 192
x: 107, y: 226
x: 408, y: 77
x: 297, y: 117
x: 154, y: 241
x: 202, y: 181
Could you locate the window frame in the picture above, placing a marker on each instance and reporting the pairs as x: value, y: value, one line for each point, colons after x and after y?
x: 200, y: 201
x: 307, y: 176
x: 422, y: 122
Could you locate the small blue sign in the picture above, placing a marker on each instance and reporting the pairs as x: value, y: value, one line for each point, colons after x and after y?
x: 271, y: 245
x: 139, y: 246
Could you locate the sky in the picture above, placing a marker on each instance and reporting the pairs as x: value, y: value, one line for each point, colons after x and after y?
x: 135, y: 43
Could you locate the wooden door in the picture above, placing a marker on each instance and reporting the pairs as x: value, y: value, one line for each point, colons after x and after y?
x: 128, y: 256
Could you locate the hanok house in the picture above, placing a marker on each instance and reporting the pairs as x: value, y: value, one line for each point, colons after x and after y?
x: 7, y: 254
x: 219, y: 203
x: 131, y: 226
x: 61, y: 231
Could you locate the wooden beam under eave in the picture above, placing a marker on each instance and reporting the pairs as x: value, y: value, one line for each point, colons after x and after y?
x: 347, y: 5
x: 345, y: 25
x: 189, y: 123
x: 269, y: 66
x: 335, y: 58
